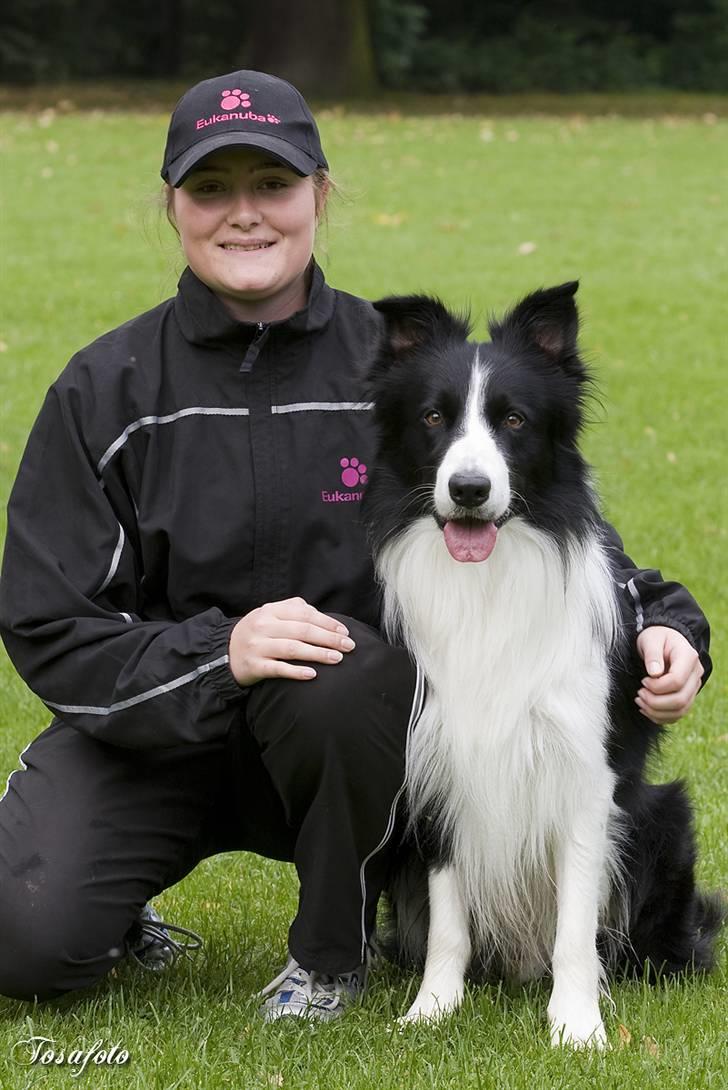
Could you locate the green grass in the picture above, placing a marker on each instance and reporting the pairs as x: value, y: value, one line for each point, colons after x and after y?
x: 637, y: 209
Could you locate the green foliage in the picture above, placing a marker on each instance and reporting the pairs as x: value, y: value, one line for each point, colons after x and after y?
x: 697, y: 55
x: 397, y: 28
x: 60, y: 39
x: 581, y: 54
x: 67, y: 39
x: 424, y: 45
x: 559, y: 46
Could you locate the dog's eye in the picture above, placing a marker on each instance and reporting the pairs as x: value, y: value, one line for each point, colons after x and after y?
x: 514, y: 420
x: 433, y: 418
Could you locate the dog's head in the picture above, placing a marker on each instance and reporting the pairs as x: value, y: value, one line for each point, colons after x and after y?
x: 476, y: 433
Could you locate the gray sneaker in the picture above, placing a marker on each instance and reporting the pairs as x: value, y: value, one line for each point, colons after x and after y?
x: 298, y: 993
x: 150, y: 943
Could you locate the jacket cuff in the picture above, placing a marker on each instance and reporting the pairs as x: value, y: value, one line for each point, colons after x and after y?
x: 222, y: 676
x: 668, y: 620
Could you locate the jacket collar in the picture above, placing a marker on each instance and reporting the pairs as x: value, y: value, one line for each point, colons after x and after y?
x: 204, y: 320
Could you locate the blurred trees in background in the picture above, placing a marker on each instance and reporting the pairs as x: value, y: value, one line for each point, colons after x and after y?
x: 349, y: 47
x: 564, y: 45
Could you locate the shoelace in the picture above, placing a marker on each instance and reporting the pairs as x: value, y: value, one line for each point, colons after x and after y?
x: 156, y: 930
x: 311, y: 982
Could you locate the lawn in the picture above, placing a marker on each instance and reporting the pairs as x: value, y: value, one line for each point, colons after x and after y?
x: 479, y: 209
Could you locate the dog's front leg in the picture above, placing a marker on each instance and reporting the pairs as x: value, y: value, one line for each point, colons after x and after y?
x: 448, y: 950
x: 573, y: 1009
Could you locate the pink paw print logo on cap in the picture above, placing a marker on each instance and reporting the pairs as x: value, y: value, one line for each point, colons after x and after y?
x: 232, y: 99
x: 354, y: 472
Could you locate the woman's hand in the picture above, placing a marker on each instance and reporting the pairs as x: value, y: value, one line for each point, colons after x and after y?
x: 263, y: 641
x: 674, y: 672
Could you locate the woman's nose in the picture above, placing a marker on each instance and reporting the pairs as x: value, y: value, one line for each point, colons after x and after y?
x: 244, y: 211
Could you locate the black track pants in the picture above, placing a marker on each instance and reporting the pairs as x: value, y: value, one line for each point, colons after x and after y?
x: 311, y: 773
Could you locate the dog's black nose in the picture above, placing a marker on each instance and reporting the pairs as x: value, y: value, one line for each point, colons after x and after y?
x: 469, y: 489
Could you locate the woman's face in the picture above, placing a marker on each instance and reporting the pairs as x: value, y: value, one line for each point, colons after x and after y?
x: 247, y: 225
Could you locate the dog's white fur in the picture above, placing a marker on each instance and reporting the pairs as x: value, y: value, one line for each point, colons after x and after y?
x: 511, y: 746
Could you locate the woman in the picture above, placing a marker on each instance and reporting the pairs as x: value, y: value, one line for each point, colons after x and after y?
x: 187, y: 587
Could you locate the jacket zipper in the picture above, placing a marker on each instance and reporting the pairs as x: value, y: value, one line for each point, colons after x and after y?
x: 261, y: 336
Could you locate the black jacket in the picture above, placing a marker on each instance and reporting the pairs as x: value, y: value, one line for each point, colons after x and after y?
x: 184, y: 469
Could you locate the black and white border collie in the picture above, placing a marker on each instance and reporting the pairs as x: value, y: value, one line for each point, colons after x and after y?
x: 534, y: 842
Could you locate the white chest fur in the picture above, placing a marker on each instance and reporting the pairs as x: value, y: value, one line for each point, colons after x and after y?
x: 512, y: 739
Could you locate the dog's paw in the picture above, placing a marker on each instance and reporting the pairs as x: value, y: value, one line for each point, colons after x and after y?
x: 575, y: 1037
x: 429, y: 1007
x: 577, y: 1028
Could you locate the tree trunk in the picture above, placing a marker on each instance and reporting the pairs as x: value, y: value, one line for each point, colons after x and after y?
x: 322, y: 46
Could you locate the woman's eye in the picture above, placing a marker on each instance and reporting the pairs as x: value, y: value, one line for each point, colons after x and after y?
x: 514, y: 420
x: 433, y: 418
x: 205, y: 189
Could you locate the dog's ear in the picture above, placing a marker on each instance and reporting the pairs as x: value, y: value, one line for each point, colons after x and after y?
x: 548, y: 319
x: 414, y: 320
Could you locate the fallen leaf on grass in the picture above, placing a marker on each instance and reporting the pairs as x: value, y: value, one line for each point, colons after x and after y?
x: 385, y: 219
x: 625, y: 1036
x: 651, y: 1046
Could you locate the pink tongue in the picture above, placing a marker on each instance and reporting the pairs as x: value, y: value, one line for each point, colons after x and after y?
x: 470, y: 540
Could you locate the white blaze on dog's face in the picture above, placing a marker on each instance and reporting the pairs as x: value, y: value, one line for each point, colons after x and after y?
x: 472, y: 480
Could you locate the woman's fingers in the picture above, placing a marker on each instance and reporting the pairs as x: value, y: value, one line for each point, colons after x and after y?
x: 303, y: 632
x: 267, y: 642
x: 298, y: 609
x: 672, y: 706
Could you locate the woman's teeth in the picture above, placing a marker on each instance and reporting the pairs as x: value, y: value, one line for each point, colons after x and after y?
x: 246, y: 249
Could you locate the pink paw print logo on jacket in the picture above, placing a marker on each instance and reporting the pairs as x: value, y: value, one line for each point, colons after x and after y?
x: 232, y: 99
x: 354, y: 472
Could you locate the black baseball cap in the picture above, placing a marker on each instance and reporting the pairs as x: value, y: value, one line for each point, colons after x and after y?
x: 242, y: 109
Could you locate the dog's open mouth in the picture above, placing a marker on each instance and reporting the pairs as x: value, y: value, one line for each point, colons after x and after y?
x: 470, y: 540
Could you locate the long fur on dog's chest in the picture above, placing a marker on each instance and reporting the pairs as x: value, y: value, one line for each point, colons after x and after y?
x: 516, y: 651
